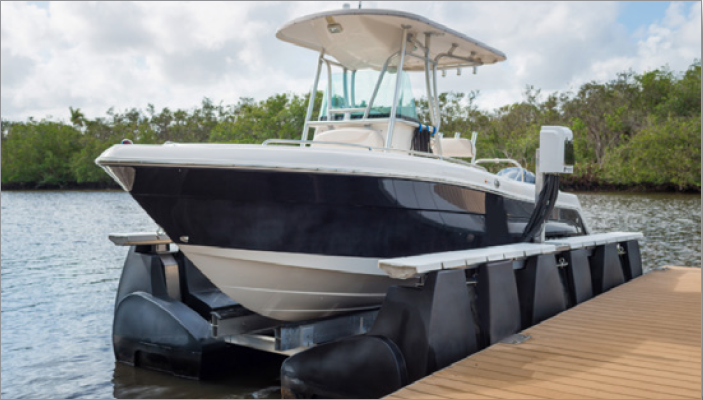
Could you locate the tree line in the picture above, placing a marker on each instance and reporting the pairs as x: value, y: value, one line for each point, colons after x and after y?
x: 636, y: 131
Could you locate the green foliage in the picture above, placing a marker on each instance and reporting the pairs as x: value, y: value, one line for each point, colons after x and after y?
x: 666, y: 153
x: 38, y: 152
x: 684, y: 97
x: 280, y: 116
x: 635, y: 130
x: 83, y: 162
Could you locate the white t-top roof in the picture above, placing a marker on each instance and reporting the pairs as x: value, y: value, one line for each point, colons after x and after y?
x: 369, y: 36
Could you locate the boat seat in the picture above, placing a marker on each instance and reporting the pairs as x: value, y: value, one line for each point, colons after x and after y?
x: 457, y: 147
x: 359, y: 136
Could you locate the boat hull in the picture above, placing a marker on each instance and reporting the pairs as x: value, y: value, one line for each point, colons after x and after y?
x: 308, y: 213
x: 294, y: 287
x: 298, y: 242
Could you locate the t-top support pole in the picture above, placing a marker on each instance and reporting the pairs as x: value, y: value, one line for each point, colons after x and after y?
x: 311, y: 99
x: 399, y: 70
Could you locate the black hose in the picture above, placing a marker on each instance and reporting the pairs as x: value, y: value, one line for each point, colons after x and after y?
x: 421, y: 140
x: 543, y: 208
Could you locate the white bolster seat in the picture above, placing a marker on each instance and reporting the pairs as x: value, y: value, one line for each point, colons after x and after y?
x: 363, y: 137
x: 457, y: 147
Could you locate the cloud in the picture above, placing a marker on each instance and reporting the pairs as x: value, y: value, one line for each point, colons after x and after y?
x: 558, y: 46
x: 546, y: 43
x: 97, y: 55
x: 674, y: 41
x: 15, y: 68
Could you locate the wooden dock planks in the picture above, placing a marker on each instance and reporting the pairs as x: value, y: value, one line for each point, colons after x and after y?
x: 639, y: 340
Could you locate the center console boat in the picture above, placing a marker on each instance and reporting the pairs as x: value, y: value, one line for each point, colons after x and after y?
x: 294, y: 229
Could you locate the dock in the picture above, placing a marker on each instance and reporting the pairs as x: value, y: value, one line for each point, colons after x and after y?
x: 639, y: 340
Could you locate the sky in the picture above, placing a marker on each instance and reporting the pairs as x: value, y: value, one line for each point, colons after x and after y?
x: 122, y: 55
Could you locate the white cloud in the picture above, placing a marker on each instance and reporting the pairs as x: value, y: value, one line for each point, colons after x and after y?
x: 674, y: 40
x: 102, y: 54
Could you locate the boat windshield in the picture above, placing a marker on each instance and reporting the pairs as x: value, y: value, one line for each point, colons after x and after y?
x: 346, y: 95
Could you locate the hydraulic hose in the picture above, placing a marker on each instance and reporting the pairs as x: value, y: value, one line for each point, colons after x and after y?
x: 544, y: 207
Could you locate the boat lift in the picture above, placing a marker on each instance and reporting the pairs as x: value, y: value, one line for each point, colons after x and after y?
x: 175, y: 280
x: 169, y: 316
x: 407, y: 267
x: 172, y: 280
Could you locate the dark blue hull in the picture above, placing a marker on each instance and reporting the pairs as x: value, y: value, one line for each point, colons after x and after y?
x: 330, y: 214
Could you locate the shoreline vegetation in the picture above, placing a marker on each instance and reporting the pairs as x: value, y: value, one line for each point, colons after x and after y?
x: 637, y: 132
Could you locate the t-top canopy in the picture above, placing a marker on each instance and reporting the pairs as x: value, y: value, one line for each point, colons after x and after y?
x: 365, y: 38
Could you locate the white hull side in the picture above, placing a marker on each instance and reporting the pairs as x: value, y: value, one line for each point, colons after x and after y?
x: 290, y: 286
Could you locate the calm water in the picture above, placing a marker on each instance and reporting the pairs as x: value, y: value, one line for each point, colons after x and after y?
x: 59, y: 276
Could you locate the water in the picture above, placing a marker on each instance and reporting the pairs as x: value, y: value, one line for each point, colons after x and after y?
x: 671, y: 223
x: 59, y: 276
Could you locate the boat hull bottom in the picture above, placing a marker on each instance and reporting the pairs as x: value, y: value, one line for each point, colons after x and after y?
x: 294, y: 287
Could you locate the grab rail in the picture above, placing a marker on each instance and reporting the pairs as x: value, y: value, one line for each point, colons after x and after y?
x: 498, y: 160
x: 347, y: 110
x: 302, y: 142
x: 503, y: 160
